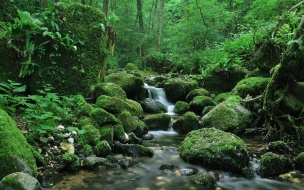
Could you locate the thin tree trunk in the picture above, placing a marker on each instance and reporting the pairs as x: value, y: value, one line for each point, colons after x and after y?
x: 106, y: 7
x: 141, y: 24
x: 160, y: 24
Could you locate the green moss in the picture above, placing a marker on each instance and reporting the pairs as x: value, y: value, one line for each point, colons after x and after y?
x: 106, y: 133
x: 204, y: 178
x: 109, y: 89
x: 110, y: 104
x: 272, y: 164
x: 102, y: 117
x: 102, y: 149
x: 198, y: 103
x: 176, y: 89
x: 197, y: 92
x: 119, y: 133
x: 88, y: 150
x: 253, y: 86
x: 86, y: 121
x: 12, y: 181
x: 130, y: 67
x: 186, y: 123
x: 300, y: 161
x: 133, y: 107
x: 69, y: 158
x: 141, y: 129
x: 221, y: 97
x: 13, y: 144
x: 279, y: 147
x: 85, y: 110
x: 91, y: 135
x: 159, y: 121
x: 214, y: 148
x: 181, y: 107
x: 128, y: 121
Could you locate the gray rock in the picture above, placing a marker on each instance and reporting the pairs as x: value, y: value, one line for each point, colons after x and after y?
x: 20, y: 181
x: 153, y: 106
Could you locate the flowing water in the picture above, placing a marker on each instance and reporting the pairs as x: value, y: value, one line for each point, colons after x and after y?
x: 147, y: 175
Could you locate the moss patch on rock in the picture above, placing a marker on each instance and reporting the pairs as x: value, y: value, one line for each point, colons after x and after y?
x: 198, y: 104
x: 181, y: 107
x: 272, y: 164
x: 103, y: 117
x: 186, y: 123
x: 14, y: 147
x: 253, y: 86
x: 229, y: 116
x: 215, y: 149
x: 299, y: 161
x: 176, y: 89
x: 197, y: 92
x: 109, y: 89
x: 159, y: 121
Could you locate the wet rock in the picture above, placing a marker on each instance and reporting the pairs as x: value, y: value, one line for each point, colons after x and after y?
x: 205, y: 178
x: 133, y: 139
x: 133, y: 150
x: 153, y: 106
x: 159, y: 121
x: 186, y: 123
x: 229, y: 116
x: 197, y: 92
x: 49, y: 177
x: 198, y: 103
x: 72, y: 161
x: 188, y: 172
x: 176, y: 89
x: 278, y: 147
x: 166, y: 166
x: 148, y: 136
x: 124, y: 162
x: 20, y: 181
x: 171, y: 149
x: 273, y: 164
x: 215, y: 149
x: 181, y: 107
x: 93, y: 162
x: 299, y: 161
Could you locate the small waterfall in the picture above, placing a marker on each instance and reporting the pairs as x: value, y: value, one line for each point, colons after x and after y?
x: 160, y: 95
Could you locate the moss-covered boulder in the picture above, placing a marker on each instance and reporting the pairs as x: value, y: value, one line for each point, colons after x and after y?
x: 90, y: 137
x: 141, y: 129
x: 215, y: 149
x: 103, y: 149
x: 78, y: 65
x: 109, y: 89
x: 204, y: 178
x: 153, y: 106
x: 253, y: 86
x: 221, y: 97
x: 196, y: 92
x: 15, y: 153
x: 119, y: 134
x: 129, y: 83
x: 107, y: 133
x: 181, y: 107
x: 20, y: 181
x: 102, y: 117
x: 220, y: 81
x: 72, y: 161
x: 130, y: 67
x: 159, y: 121
x: 134, y: 150
x: 176, y: 89
x: 299, y: 161
x: 186, y: 123
x: 272, y: 164
x: 133, y: 107
x: 229, y: 116
x: 113, y: 105
x: 279, y: 147
x: 131, y: 123
x: 198, y: 104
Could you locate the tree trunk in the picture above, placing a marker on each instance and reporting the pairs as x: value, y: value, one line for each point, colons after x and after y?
x: 106, y: 7
x: 141, y: 25
x: 160, y: 24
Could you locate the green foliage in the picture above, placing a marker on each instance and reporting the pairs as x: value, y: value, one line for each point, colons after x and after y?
x: 9, y: 95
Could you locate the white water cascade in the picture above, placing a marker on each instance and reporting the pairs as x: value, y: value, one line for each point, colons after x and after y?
x: 160, y: 95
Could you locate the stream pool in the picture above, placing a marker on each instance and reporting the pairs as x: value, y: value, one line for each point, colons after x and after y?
x: 146, y: 175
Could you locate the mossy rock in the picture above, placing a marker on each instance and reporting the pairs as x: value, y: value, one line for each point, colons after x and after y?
x: 128, y: 121
x: 186, y: 123
x: 113, y: 105
x: 129, y: 83
x: 109, y: 89
x: 272, y: 164
x: 134, y: 150
x: 253, y: 86
x: 204, y: 178
x: 85, y: 110
x: 87, y: 121
x: 258, y: 73
x: 102, y: 117
x: 279, y: 147
x: 159, y: 121
x: 196, y: 92
x: 72, y: 161
x: 221, y: 97
x: 198, y: 104
x: 130, y: 67
x: 20, y: 181
x: 133, y: 107
x: 91, y: 136
x: 229, y: 116
x: 15, y: 153
x: 181, y: 107
x: 107, y: 133
x: 141, y: 129
x: 299, y: 161
x: 103, y: 149
x: 215, y: 149
x: 119, y: 133
x: 78, y: 70
x: 153, y: 106
x: 176, y: 89
x: 220, y: 81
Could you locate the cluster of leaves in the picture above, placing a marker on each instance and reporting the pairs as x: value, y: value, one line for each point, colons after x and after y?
x: 43, y: 112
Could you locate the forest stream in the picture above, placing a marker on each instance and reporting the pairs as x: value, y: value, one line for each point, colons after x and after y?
x: 149, y: 175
